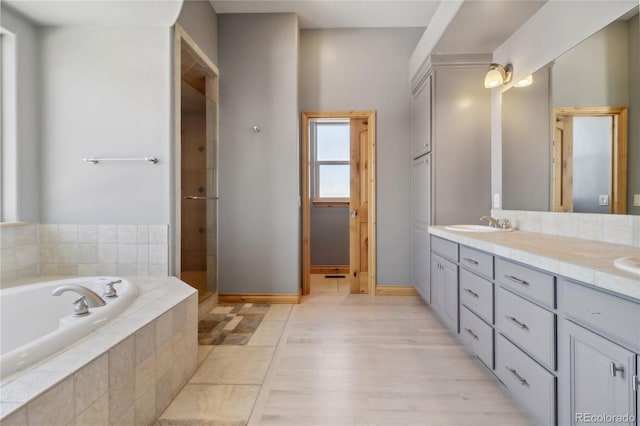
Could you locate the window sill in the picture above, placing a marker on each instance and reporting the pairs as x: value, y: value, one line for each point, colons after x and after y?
x: 330, y: 203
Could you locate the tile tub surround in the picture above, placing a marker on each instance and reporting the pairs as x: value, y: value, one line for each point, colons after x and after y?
x: 126, y: 372
x: 127, y: 250
x: 587, y: 261
x: 18, y: 252
x: 607, y: 228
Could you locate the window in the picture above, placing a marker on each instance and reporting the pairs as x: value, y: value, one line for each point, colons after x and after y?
x: 331, y: 152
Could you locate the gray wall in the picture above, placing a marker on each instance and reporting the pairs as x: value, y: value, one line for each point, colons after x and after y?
x: 26, y: 160
x: 105, y: 92
x: 633, y: 180
x: 591, y: 148
x: 526, y: 145
x: 199, y: 19
x: 594, y: 73
x: 342, y: 69
x: 259, y: 211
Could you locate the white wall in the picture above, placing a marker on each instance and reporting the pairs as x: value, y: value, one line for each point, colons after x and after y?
x: 106, y: 92
x: 22, y: 164
x: 259, y: 211
x: 366, y: 69
x: 199, y: 19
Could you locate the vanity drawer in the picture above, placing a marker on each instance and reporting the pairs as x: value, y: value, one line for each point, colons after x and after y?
x: 477, y: 294
x: 476, y: 261
x: 533, y: 386
x: 477, y: 336
x: 445, y: 248
x: 528, y: 325
x: 610, y: 315
x: 526, y: 281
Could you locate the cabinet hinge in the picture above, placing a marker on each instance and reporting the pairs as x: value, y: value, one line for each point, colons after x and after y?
x: 635, y: 382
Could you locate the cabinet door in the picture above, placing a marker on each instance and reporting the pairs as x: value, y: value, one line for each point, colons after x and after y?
x: 422, y: 192
x: 421, y: 262
x: 436, y: 283
x: 599, y: 375
x: 450, y: 294
x: 444, y: 290
x: 421, y: 119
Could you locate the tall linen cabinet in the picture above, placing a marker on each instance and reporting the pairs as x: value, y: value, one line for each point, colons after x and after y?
x: 451, y: 151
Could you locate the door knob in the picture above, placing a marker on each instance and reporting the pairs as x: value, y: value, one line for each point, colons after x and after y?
x: 354, y: 213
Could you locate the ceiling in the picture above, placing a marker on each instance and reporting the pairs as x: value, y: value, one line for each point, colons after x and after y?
x: 479, y: 27
x: 99, y: 12
x: 342, y: 13
x: 482, y: 26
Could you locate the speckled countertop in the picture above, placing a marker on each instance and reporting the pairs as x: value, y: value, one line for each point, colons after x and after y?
x: 583, y: 260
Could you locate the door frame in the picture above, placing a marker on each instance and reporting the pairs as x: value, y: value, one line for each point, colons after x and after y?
x: 619, y: 155
x: 182, y: 39
x: 307, y: 116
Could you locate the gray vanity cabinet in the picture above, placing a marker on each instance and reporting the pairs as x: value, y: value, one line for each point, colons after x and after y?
x: 421, y: 222
x: 444, y: 290
x: 600, y: 378
x: 598, y: 346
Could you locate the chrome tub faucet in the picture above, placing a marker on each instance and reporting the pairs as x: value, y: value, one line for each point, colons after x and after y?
x: 88, y: 299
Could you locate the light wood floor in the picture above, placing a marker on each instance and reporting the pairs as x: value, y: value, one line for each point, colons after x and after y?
x: 346, y: 359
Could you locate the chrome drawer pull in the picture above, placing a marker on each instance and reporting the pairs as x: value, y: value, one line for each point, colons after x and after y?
x: 466, y: 259
x: 516, y: 322
x: 518, y: 377
x: 516, y: 280
x: 613, y: 369
x: 473, y: 293
x: 474, y: 335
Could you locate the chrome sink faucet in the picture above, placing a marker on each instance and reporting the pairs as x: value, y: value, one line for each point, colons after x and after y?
x: 492, y: 222
x: 88, y: 299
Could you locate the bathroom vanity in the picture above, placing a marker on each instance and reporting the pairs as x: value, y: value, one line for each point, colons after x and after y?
x: 550, y: 316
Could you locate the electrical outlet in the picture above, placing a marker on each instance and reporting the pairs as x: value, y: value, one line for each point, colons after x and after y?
x: 496, y: 200
x: 636, y: 200
x: 603, y: 200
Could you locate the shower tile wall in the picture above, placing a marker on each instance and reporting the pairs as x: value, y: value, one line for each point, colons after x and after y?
x: 194, y: 182
x: 128, y: 250
x: 18, y: 252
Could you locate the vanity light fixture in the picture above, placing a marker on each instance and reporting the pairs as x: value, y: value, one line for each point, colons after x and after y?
x: 527, y: 81
x: 498, y: 75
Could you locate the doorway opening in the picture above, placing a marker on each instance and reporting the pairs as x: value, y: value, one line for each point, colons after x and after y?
x: 338, y: 201
x: 590, y: 160
x: 195, y: 166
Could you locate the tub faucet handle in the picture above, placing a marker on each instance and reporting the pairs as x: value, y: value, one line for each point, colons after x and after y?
x: 110, y: 292
x: 82, y: 309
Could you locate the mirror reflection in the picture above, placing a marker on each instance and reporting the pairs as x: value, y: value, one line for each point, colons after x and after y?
x: 570, y: 140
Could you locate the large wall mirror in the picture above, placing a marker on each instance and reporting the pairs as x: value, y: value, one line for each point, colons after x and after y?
x: 571, y: 140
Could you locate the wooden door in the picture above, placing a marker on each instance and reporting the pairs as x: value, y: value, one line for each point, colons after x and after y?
x: 600, y: 374
x: 359, y: 206
x: 563, y: 164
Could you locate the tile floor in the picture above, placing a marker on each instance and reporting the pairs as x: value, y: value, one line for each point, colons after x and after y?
x: 231, y: 324
x: 339, y: 359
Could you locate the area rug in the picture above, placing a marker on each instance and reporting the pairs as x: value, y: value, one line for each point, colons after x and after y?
x: 231, y: 324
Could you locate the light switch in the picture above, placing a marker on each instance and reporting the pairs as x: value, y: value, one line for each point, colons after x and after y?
x: 603, y: 200
x: 636, y: 200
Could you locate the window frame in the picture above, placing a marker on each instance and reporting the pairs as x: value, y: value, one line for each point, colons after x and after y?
x: 317, y: 200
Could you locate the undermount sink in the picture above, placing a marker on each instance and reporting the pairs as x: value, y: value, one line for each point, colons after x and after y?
x: 629, y: 264
x: 476, y: 228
